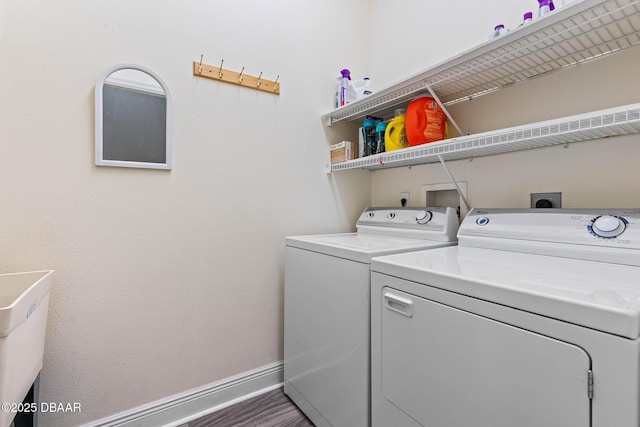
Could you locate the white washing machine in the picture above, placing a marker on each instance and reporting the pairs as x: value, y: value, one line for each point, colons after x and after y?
x: 327, y: 308
x: 532, y: 320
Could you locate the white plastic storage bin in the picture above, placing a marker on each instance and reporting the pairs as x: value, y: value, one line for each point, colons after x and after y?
x: 24, y: 301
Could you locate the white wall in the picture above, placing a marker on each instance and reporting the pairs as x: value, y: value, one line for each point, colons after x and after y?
x: 601, y: 173
x: 412, y: 35
x: 168, y: 281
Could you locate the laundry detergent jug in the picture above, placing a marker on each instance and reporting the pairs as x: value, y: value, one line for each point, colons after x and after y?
x: 395, y: 136
x: 426, y: 121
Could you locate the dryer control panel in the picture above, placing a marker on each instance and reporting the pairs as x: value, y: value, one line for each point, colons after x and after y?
x: 608, y: 235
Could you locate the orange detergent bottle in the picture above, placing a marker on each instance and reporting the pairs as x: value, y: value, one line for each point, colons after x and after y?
x: 395, y: 136
x: 426, y: 121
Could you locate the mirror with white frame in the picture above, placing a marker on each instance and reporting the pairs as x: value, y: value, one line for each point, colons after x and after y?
x: 132, y: 119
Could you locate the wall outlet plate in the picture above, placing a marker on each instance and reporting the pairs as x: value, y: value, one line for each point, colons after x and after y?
x: 404, y: 196
x: 546, y: 200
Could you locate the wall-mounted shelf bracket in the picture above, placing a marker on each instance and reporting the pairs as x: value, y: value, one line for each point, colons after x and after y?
x: 446, y: 112
x: 460, y: 193
x: 237, y: 78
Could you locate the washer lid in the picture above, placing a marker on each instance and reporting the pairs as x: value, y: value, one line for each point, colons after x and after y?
x: 597, y: 295
x: 360, y: 247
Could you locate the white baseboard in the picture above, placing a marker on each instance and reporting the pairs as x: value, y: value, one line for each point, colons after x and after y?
x: 179, y: 409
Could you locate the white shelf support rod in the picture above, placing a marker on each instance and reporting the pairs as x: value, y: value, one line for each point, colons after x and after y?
x: 446, y: 168
x: 446, y: 112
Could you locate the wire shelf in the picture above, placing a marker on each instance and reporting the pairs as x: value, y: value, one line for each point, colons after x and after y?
x: 624, y: 120
x: 572, y: 35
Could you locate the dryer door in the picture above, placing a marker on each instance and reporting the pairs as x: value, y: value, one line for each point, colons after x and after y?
x: 446, y: 367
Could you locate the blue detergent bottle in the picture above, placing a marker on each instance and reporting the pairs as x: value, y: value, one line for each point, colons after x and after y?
x: 381, y: 127
x: 369, y: 135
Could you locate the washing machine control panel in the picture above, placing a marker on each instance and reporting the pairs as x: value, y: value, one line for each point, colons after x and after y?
x: 613, y: 234
x: 427, y: 222
x: 403, y: 216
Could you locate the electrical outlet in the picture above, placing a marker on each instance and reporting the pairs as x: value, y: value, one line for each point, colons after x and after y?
x: 404, y: 196
x: 546, y: 200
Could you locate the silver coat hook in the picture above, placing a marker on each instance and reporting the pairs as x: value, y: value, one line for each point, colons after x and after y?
x: 220, y: 70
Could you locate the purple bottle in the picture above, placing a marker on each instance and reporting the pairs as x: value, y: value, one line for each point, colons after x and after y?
x: 347, y: 92
x: 498, y: 31
x: 544, y: 8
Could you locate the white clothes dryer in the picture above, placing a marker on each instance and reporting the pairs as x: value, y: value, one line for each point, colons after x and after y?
x: 327, y: 308
x: 532, y: 320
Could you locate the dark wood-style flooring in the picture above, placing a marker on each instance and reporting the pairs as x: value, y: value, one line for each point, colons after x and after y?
x: 272, y: 409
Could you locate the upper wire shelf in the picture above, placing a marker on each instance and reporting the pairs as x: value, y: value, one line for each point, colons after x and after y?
x: 624, y: 120
x: 572, y: 35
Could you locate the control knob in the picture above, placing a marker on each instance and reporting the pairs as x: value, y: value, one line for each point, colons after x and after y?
x: 423, y: 217
x: 483, y: 220
x: 608, y: 226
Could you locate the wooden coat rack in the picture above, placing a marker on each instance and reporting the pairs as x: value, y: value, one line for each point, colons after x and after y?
x: 241, y: 79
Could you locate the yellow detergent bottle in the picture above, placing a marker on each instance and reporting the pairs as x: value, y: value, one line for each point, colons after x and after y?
x: 395, y: 136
